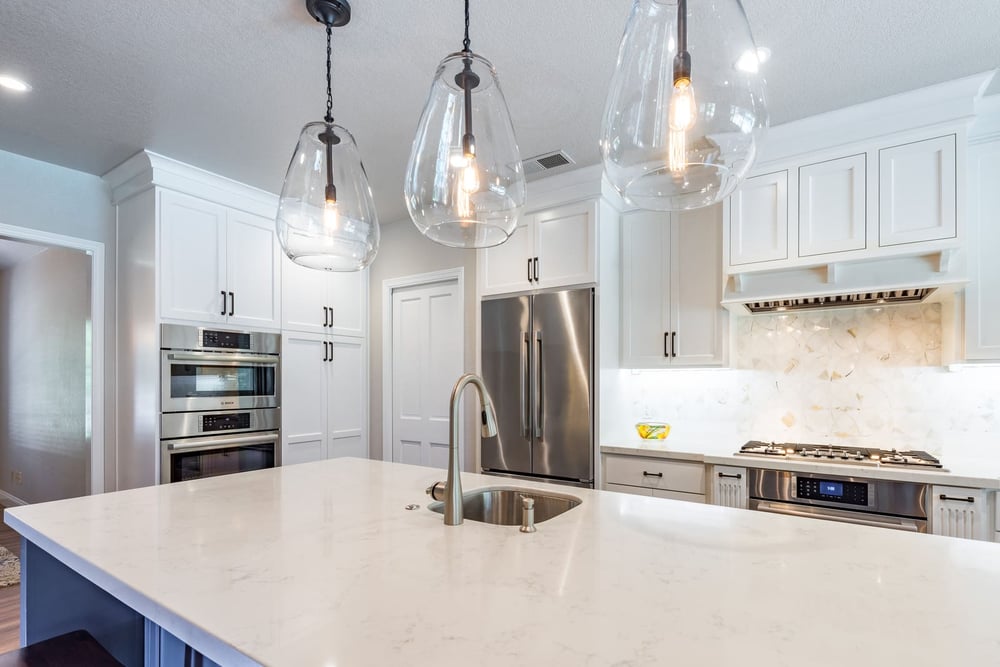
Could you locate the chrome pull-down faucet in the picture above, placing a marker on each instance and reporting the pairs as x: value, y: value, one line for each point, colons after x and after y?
x: 453, y: 514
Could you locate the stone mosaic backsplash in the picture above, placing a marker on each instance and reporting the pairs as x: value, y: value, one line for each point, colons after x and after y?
x: 864, y: 376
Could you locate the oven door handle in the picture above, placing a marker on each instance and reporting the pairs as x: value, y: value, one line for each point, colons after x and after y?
x: 219, y: 443
x: 842, y: 517
x: 262, y: 360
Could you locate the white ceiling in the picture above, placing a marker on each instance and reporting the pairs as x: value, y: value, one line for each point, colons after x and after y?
x: 15, y: 252
x: 226, y: 85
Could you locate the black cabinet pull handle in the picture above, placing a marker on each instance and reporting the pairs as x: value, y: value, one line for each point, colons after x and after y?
x: 970, y: 499
x: 736, y: 476
x: 223, y: 292
x: 536, y: 269
x: 331, y: 351
x: 232, y: 304
x: 529, y: 270
x: 652, y: 474
x: 331, y: 316
x: 326, y: 316
x: 666, y: 342
x: 673, y: 344
x: 326, y: 355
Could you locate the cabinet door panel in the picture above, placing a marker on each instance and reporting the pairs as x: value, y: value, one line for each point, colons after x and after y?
x: 645, y: 261
x: 697, y: 321
x: 832, y: 206
x: 254, y: 270
x: 304, y: 294
x: 982, y: 296
x: 917, y: 192
x: 758, y: 230
x: 348, y: 399
x: 565, y: 238
x: 960, y: 512
x: 729, y: 487
x: 504, y: 268
x: 192, y: 258
x: 679, y: 495
x: 349, y: 301
x: 625, y: 488
x: 304, y: 397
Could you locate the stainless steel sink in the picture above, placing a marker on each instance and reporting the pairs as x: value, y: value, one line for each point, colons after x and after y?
x: 502, y: 505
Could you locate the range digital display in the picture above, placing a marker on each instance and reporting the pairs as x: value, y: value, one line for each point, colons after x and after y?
x: 835, y: 489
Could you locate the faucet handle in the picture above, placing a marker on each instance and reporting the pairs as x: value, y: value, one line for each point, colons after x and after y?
x: 527, y: 502
x: 436, y: 491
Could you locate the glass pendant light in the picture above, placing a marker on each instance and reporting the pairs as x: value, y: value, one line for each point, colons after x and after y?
x: 326, y: 215
x: 685, y: 114
x: 464, y: 182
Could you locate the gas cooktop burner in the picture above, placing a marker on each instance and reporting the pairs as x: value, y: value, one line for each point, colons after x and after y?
x: 841, y: 454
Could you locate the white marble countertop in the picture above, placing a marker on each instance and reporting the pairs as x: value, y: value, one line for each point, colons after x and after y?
x: 320, y: 564
x: 973, y: 473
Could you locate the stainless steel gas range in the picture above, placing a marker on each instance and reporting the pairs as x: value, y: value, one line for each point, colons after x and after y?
x: 847, y: 498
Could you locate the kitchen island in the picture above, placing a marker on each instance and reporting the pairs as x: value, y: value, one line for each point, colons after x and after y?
x: 323, y: 564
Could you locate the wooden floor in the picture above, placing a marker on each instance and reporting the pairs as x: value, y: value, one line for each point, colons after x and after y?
x: 10, y: 597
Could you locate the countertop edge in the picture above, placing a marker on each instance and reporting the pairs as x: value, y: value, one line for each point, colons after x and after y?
x: 196, y: 637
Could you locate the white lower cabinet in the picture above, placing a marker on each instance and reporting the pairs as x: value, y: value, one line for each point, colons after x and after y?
x: 961, y: 512
x: 662, y: 478
x: 324, y: 397
x: 729, y: 486
x: 982, y: 298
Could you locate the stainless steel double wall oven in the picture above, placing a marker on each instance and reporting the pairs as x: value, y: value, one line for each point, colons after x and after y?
x: 220, y: 401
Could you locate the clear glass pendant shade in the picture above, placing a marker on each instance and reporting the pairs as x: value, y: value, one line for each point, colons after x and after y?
x: 322, y: 228
x: 454, y: 198
x: 671, y: 144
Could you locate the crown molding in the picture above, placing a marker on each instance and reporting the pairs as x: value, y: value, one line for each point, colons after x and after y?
x: 147, y: 169
x: 952, y: 102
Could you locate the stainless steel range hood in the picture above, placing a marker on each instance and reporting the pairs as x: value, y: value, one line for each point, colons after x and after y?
x: 874, y: 283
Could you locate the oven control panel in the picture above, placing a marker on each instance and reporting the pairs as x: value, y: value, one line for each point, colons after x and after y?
x: 831, y: 490
x: 229, y: 340
x: 227, y: 422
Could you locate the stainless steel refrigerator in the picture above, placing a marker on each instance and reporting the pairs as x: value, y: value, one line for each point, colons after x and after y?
x: 538, y: 364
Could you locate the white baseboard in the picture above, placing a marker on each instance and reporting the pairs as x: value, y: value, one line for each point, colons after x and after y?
x: 10, y: 500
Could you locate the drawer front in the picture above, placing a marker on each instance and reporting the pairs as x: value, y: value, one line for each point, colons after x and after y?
x: 632, y: 490
x: 685, y: 476
x: 679, y: 495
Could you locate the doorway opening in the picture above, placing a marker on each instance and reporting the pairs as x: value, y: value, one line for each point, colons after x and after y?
x: 423, y: 354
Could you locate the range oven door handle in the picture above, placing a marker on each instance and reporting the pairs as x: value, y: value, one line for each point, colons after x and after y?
x: 262, y: 360
x: 897, y: 523
x: 221, y: 443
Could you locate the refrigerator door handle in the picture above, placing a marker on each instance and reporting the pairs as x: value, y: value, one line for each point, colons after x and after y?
x: 525, y: 373
x: 539, y: 406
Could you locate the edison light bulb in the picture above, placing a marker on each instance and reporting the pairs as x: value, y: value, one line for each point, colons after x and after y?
x: 468, y: 184
x: 680, y: 117
x: 330, y: 219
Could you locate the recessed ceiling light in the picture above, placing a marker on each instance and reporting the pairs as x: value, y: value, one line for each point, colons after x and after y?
x: 13, y: 83
x: 750, y: 61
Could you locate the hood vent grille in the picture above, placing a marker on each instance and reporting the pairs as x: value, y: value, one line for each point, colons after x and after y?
x: 887, y: 298
x: 546, y: 161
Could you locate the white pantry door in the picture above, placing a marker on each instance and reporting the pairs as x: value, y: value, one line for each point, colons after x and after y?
x: 427, y: 359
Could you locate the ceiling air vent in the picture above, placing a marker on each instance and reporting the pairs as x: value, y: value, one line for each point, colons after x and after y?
x: 546, y: 161
x: 889, y: 297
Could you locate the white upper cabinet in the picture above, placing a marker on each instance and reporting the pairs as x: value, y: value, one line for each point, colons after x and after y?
x: 253, y: 270
x: 982, y: 296
x: 325, y: 302
x: 887, y: 197
x: 758, y: 227
x: 192, y: 259
x: 917, y: 192
x: 554, y: 247
x: 217, y: 264
x: 671, y: 288
x: 833, y: 206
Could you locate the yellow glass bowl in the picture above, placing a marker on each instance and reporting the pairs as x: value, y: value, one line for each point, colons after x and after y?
x: 653, y: 430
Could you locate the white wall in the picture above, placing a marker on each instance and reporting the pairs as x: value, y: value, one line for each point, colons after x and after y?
x: 46, y: 197
x: 44, y: 376
x: 404, y: 252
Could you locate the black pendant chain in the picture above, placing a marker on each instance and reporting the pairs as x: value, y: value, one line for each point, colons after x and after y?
x: 329, y: 66
x: 466, y: 42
